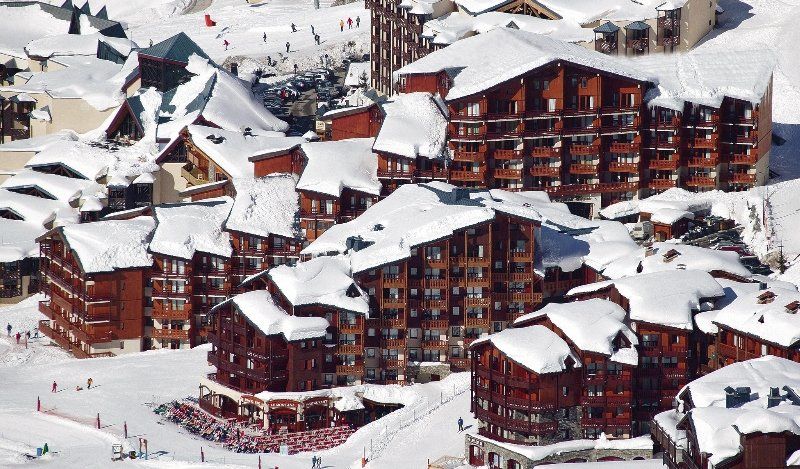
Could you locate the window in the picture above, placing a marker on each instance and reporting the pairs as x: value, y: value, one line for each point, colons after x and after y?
x: 413, y: 333
x: 371, y: 332
x: 455, y: 331
x: 371, y: 352
x: 456, y: 311
x: 565, y: 390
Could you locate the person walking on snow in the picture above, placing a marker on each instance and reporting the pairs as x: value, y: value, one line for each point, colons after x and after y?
x: 358, y: 21
x: 295, y: 68
x: 341, y: 25
x: 226, y: 44
x: 460, y: 425
x: 287, y: 47
x: 349, y: 23
x: 89, y: 383
x: 265, y: 37
x: 312, y: 30
x: 55, y: 386
x: 316, y: 38
x: 8, y: 329
x: 18, y: 336
x: 294, y: 28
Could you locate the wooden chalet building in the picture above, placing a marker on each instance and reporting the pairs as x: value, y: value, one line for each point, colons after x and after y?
x: 576, y: 124
x: 668, y: 342
x: 95, y: 295
x: 606, y: 349
x: 747, y: 410
x: 338, y: 183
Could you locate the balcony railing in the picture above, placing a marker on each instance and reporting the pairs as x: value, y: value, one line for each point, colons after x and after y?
x: 624, y: 147
x: 743, y: 178
x: 584, y: 149
x: 583, y: 169
x: 701, y: 181
x: 504, y: 173
x: 469, y: 156
x: 662, y: 183
x: 545, y: 171
x: 545, y: 152
x: 744, y: 159
x: 619, y: 167
x: 671, y: 165
x: 467, y: 175
x: 506, y: 154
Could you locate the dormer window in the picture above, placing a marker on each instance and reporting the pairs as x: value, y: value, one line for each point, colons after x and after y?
x: 671, y: 255
x: 766, y: 297
x: 793, y: 307
x: 353, y: 292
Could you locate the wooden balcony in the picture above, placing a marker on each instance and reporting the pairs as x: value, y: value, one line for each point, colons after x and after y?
x: 505, y: 173
x: 393, y: 303
x: 393, y: 281
x: 349, y: 349
x: 662, y: 183
x: 434, y: 303
x: 170, y: 334
x: 521, y: 256
x: 475, y: 281
x: 394, y: 343
x: 435, y: 324
x: 666, y: 144
x: 637, y: 44
x: 545, y: 152
x: 583, y: 169
x: 467, y: 117
x: 624, y: 147
x: 467, y: 176
x: 506, y: 154
x: 435, y: 283
x: 434, y: 344
x: 584, y: 149
x: 743, y: 178
x: 469, y: 156
x: 749, y: 140
x: 670, y: 165
x: 701, y: 181
x: 395, y: 173
x: 159, y: 312
x: 703, y: 162
x: 744, y: 159
x: 618, y: 167
x: 546, y: 171
x: 581, y: 189
x: 504, y: 116
x: 709, y: 143
x: 473, y: 321
x: 470, y: 136
x: 352, y: 327
x: 392, y: 362
x: 349, y: 369
x: 436, y: 263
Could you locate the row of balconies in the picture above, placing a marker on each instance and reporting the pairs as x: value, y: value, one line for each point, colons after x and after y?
x: 510, y: 423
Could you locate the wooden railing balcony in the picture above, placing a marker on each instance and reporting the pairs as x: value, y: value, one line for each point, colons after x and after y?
x: 434, y: 173
x: 619, y: 167
x: 355, y: 326
x: 434, y: 303
x: 701, y: 181
x: 435, y: 283
x: 533, y: 113
x: 395, y: 173
x: 580, y: 189
x: 350, y: 369
x: 541, y: 133
x: 506, y: 173
x: 499, y: 154
x: 476, y: 281
x: 473, y: 321
x: 545, y: 171
x: 509, y: 115
x: 583, y: 168
x: 393, y: 343
x: 743, y: 178
x: 393, y: 280
x: 637, y: 44
x: 472, y: 136
x: 545, y: 152
x: 387, y: 362
x: 393, y: 302
x: 667, y: 144
x: 705, y: 142
x: 750, y: 140
x: 469, y: 156
x: 618, y: 147
x: 349, y: 349
x: 467, y: 175
x: 468, y: 117
x: 171, y: 314
x: 434, y: 344
x: 702, y: 162
x: 172, y: 334
x: 435, y: 324
x: 670, y: 165
x: 584, y: 149
x: 662, y: 183
x: 740, y: 158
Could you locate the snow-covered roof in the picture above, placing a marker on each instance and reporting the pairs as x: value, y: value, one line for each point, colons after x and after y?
x: 60, y: 188
x: 775, y: 321
x: 334, y: 165
x: 414, y: 125
x: 323, y: 281
x: 184, y: 229
x: 265, y: 206
x: 18, y: 239
x: 668, y: 216
x: 591, y: 325
x: 104, y: 246
x: 98, y: 82
x: 76, y: 44
x: 718, y: 427
x: 706, y: 78
x: 36, y: 210
x: 355, y: 72
x: 537, y: 453
x: 455, y: 26
x: 260, y: 310
x: 73, y: 155
x: 671, y: 256
x: 412, y: 215
x: 36, y: 144
x: 232, y: 150
x: 477, y: 63
x: 537, y: 348
x: 667, y: 298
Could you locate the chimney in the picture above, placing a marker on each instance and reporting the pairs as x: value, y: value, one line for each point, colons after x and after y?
x: 774, y: 397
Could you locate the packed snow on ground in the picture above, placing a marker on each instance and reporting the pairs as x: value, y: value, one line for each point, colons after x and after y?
x: 127, y: 388
x: 243, y: 26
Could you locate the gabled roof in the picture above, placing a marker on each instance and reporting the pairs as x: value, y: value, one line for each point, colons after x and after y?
x: 637, y: 26
x: 103, y: 13
x: 177, y: 48
x: 607, y: 27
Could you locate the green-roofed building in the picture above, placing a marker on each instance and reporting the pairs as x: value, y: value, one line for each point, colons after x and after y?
x: 163, y: 65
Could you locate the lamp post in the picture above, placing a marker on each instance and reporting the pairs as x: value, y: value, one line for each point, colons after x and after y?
x: 2, y: 119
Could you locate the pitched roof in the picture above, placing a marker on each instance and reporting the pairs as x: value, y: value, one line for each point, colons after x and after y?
x: 177, y: 48
x: 607, y: 27
x: 637, y: 26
